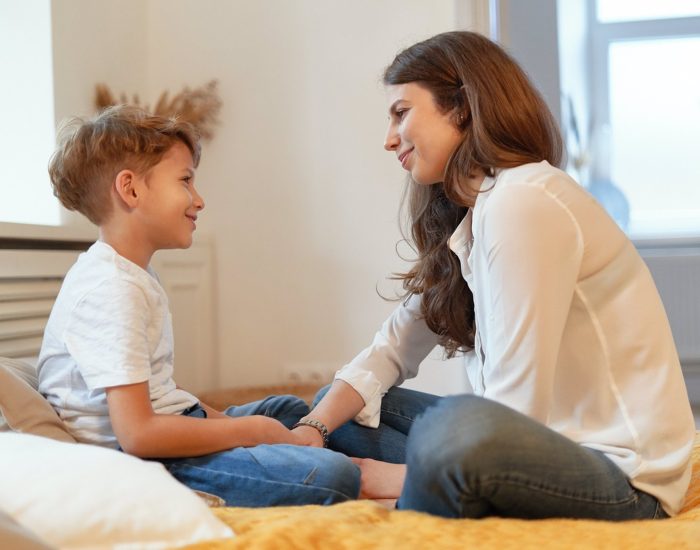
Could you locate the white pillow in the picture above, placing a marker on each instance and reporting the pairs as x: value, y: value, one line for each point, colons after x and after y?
x: 83, y: 496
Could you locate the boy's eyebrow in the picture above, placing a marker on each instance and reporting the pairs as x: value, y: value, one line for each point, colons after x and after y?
x: 189, y: 171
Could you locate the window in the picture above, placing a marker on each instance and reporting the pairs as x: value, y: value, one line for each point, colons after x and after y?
x: 609, y: 11
x: 27, y: 113
x: 634, y: 133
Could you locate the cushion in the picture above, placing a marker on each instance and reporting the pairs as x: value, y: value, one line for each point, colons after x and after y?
x: 14, y: 536
x: 79, y: 496
x: 22, y: 408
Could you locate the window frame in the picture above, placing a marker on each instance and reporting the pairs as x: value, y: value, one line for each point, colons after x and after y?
x: 602, y: 35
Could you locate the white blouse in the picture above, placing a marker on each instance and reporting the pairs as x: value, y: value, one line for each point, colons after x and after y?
x: 570, y: 329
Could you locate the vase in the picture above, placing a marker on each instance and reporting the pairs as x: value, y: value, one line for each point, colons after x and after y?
x: 613, y: 200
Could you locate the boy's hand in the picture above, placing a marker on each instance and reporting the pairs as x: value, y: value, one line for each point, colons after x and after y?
x: 272, y: 432
x: 308, y: 436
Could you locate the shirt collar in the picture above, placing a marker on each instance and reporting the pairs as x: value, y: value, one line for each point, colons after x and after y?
x: 463, y: 235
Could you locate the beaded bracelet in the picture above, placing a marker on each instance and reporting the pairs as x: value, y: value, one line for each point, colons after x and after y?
x: 320, y: 426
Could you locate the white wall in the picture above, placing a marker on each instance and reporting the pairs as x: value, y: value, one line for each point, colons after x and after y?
x: 528, y: 30
x: 95, y: 42
x: 302, y: 200
x: 301, y: 197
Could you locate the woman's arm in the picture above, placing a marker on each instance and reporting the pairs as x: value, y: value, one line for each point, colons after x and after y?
x: 339, y: 405
x: 143, y: 433
x: 531, y: 248
x: 397, y: 350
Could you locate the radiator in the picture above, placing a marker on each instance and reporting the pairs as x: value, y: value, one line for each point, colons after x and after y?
x: 676, y: 272
x: 29, y: 283
x: 31, y: 273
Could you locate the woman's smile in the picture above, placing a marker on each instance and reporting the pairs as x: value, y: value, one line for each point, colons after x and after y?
x: 422, y: 136
x: 403, y: 158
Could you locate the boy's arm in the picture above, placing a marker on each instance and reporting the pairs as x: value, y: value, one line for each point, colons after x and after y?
x: 143, y: 433
x: 211, y: 411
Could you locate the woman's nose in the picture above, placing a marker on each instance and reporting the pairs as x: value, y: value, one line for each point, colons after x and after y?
x: 391, y: 139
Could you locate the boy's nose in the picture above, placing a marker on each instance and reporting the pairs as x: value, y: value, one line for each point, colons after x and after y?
x: 197, y: 200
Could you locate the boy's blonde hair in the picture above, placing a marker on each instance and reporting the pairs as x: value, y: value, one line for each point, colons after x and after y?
x: 91, y: 152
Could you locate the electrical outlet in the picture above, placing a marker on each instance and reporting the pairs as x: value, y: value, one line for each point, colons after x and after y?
x: 317, y: 373
x: 292, y: 374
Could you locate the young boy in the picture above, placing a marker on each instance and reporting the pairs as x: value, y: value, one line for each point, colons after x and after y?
x: 106, y: 362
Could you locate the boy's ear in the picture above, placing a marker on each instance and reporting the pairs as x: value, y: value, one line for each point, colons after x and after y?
x: 126, y: 188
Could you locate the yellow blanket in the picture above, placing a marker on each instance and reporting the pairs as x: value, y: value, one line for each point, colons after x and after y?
x: 364, y: 524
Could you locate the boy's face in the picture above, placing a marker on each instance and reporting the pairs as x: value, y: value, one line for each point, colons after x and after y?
x: 170, y: 202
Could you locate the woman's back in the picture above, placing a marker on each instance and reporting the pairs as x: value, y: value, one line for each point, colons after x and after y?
x: 591, y: 336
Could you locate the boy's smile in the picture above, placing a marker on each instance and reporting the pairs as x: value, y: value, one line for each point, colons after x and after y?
x: 169, y: 203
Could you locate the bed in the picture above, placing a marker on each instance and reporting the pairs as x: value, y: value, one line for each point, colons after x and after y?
x: 362, y: 524
x: 57, y: 493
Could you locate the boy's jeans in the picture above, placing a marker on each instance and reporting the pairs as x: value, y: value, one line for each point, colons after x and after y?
x: 471, y: 457
x: 270, y: 475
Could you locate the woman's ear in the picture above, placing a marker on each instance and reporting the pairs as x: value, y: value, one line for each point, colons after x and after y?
x: 463, y: 117
x: 126, y: 188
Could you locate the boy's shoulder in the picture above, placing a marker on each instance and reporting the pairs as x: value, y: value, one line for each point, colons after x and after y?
x: 103, y: 289
x: 101, y: 267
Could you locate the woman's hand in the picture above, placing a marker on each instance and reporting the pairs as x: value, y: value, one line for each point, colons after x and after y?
x: 380, y: 480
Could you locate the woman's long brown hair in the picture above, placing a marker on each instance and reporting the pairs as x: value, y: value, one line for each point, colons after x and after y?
x: 504, y: 122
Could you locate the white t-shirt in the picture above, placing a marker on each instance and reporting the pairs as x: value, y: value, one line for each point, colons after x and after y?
x: 571, y: 330
x: 110, y: 326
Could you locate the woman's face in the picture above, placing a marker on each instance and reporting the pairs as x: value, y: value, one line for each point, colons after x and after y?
x: 422, y: 137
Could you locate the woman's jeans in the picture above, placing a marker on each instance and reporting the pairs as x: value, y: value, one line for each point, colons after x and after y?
x: 269, y: 475
x: 470, y: 457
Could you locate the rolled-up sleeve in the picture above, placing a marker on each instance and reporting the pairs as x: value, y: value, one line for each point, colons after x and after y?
x: 395, y: 354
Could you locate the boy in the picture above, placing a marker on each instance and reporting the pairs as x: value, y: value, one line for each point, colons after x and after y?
x: 106, y: 361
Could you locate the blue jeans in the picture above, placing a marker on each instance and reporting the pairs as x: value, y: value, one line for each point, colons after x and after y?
x: 269, y: 475
x: 470, y: 457
x: 400, y: 407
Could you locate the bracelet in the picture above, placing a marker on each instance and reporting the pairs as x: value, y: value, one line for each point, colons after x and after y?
x: 320, y: 426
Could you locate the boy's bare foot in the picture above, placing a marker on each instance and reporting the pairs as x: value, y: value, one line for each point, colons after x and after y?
x: 380, y: 480
x: 389, y: 503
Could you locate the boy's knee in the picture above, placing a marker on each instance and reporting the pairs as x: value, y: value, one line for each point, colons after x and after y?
x: 336, y: 472
x: 286, y: 405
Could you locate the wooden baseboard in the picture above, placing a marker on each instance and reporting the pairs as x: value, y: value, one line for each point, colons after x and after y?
x: 220, y: 399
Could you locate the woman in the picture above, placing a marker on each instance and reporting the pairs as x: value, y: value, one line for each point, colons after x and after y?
x: 579, y: 406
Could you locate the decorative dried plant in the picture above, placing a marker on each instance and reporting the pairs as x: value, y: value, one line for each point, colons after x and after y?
x: 198, y: 106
